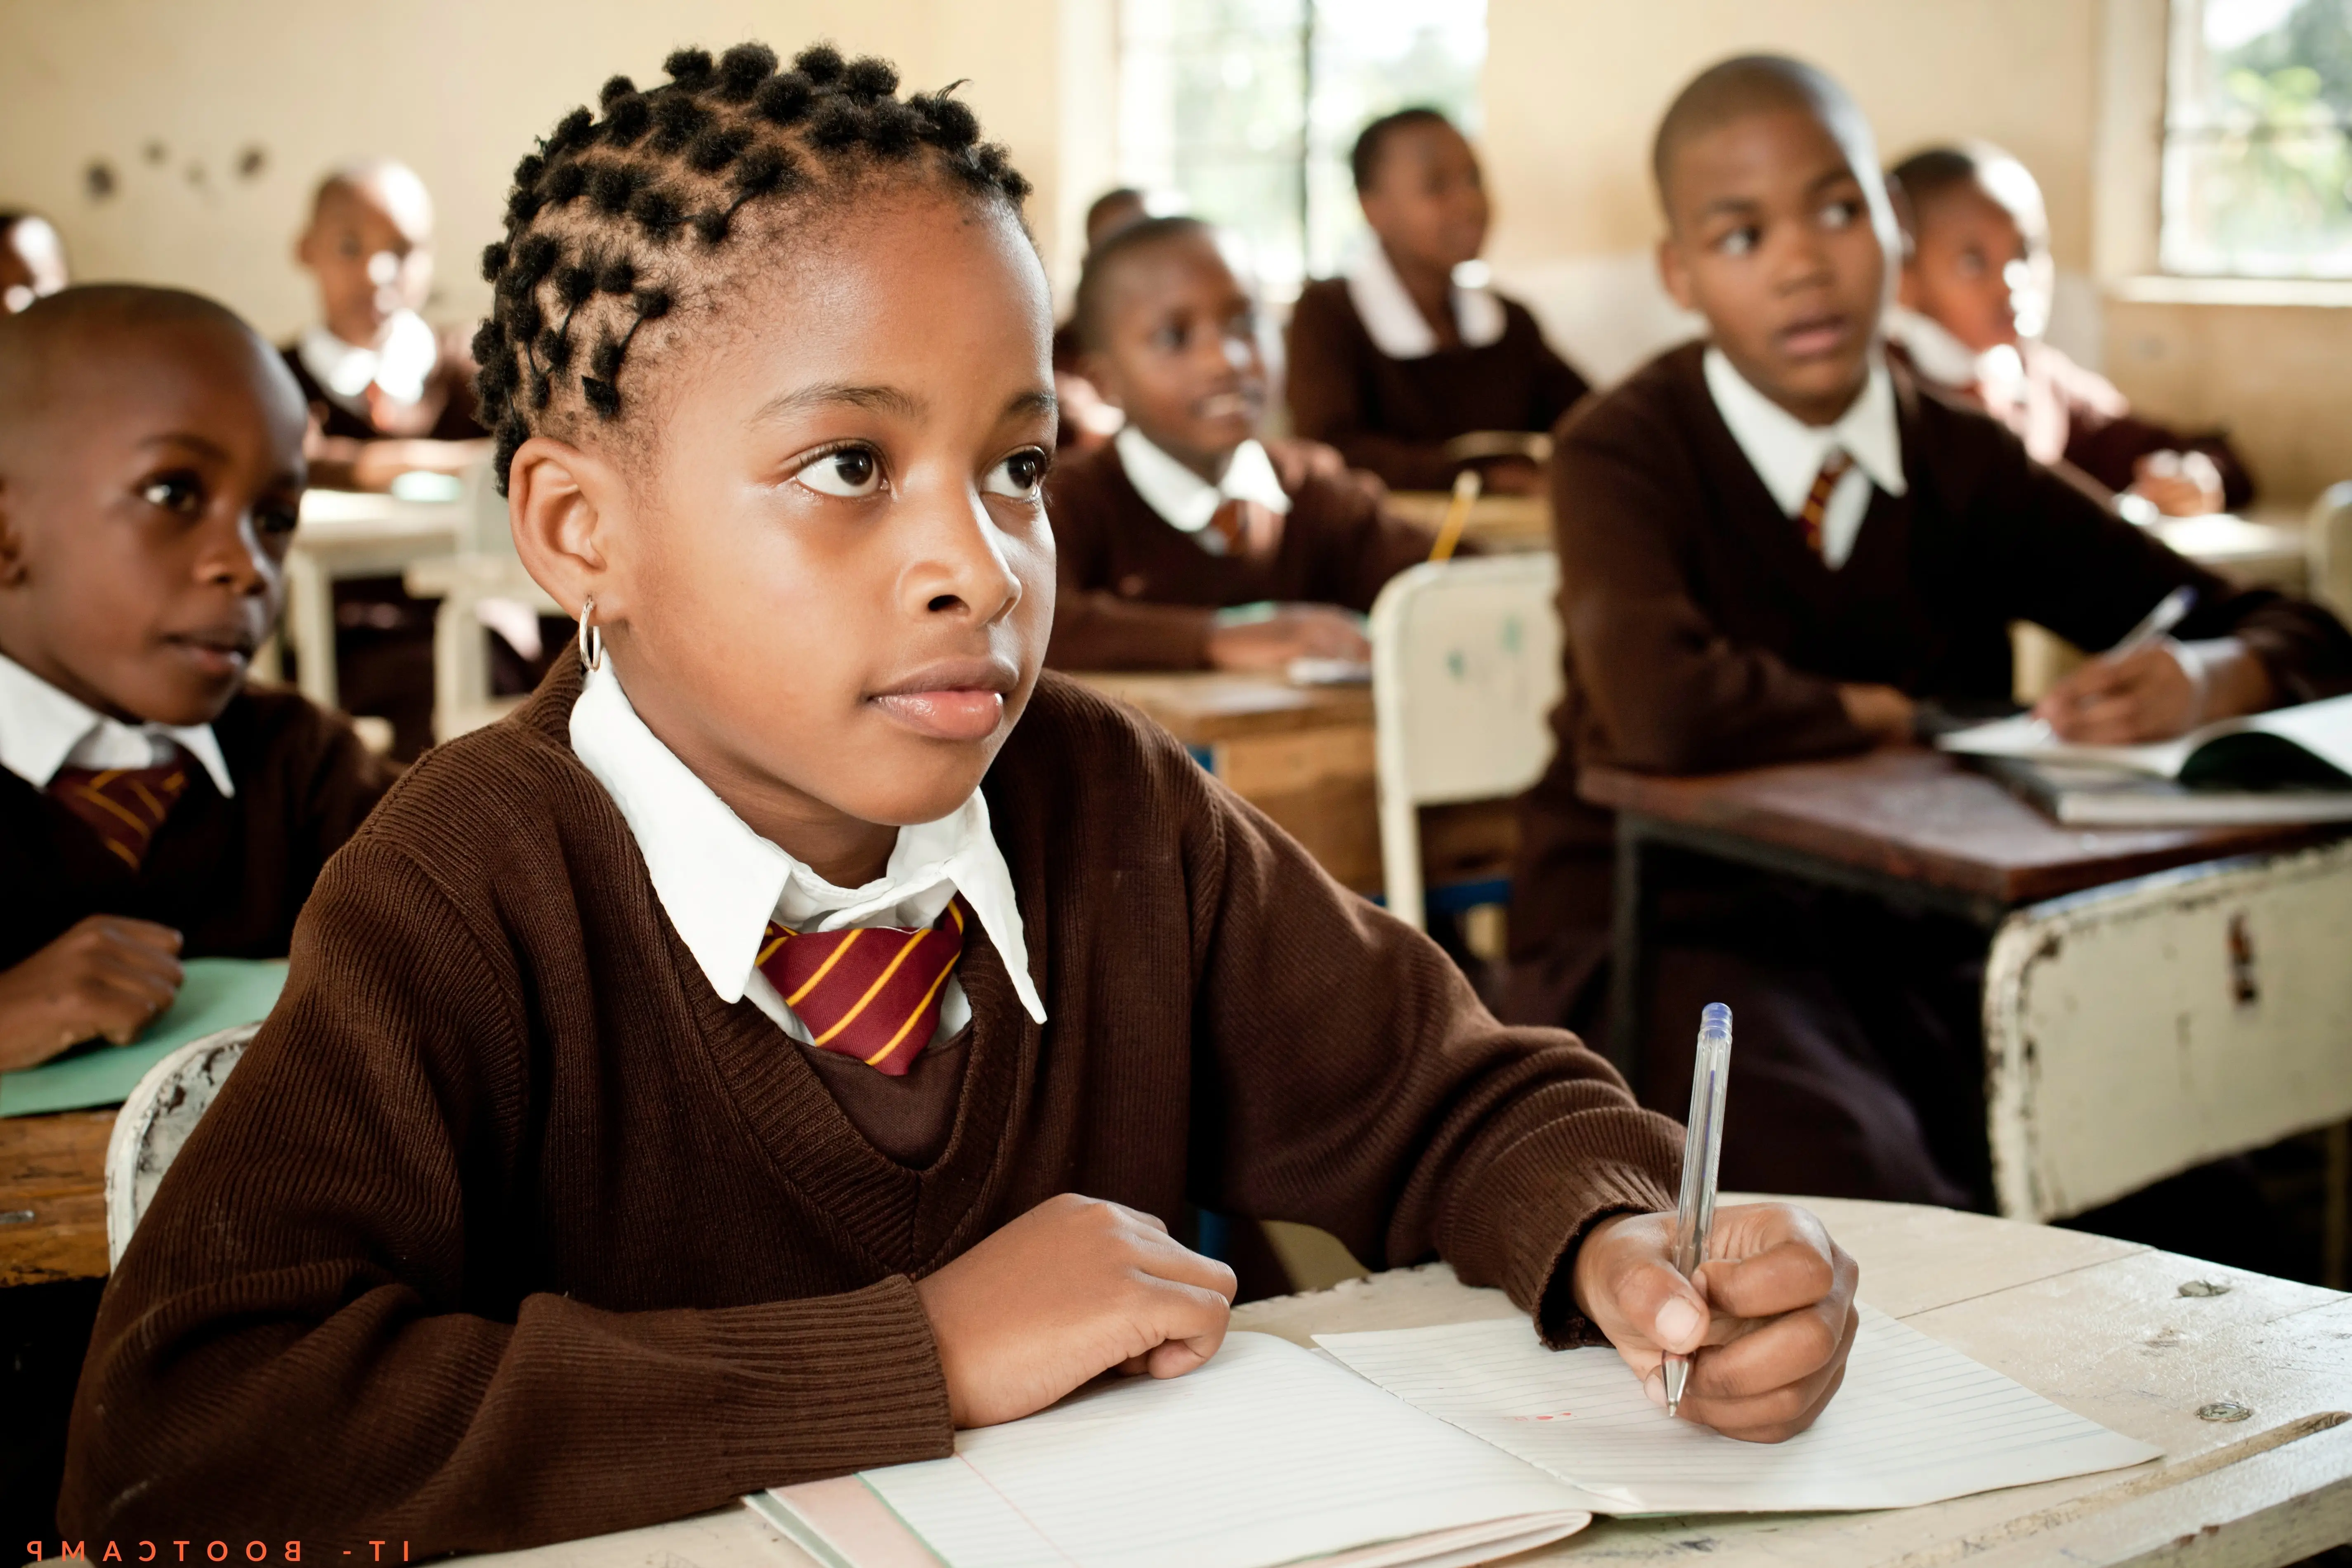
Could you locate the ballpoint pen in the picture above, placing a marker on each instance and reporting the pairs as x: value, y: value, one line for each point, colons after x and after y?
x: 1702, y: 1152
x: 2158, y: 622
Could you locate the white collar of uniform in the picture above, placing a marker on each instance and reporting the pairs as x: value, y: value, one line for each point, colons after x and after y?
x: 400, y: 363
x: 722, y: 883
x: 1183, y: 499
x: 1395, y: 324
x: 1787, y: 453
x: 43, y: 728
x: 1939, y: 356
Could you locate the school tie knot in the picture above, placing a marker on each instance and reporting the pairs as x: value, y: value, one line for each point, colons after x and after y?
x: 1817, y: 499
x: 1244, y: 528
x: 123, y: 807
x: 868, y: 992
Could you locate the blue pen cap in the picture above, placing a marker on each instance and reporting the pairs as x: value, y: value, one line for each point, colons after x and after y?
x: 1714, y: 1019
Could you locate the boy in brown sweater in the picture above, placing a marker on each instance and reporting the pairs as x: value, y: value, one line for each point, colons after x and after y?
x: 152, y: 807
x: 758, y: 1057
x: 1395, y: 359
x: 1164, y: 535
x: 1975, y: 289
x: 1772, y: 544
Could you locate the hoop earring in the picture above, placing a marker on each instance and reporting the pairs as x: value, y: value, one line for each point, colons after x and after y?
x: 592, y: 641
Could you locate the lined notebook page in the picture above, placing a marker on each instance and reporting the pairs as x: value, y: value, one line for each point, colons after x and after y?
x: 1265, y: 1454
x: 1915, y: 1422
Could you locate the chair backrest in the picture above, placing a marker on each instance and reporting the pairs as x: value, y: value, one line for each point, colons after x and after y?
x: 1465, y: 667
x: 157, y: 1121
x: 482, y: 526
x: 2328, y: 539
x: 2139, y: 1030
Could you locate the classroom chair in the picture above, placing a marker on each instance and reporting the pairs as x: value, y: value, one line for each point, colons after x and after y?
x: 2328, y: 536
x: 155, y: 1121
x: 1465, y: 667
x: 2137, y: 1030
x: 483, y: 569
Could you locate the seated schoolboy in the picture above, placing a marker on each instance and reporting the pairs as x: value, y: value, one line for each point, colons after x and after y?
x: 391, y: 393
x: 1086, y: 421
x: 1184, y: 514
x: 32, y: 260
x: 1771, y: 546
x: 151, y: 808
x: 1976, y: 291
x: 783, y: 1039
x: 1401, y: 355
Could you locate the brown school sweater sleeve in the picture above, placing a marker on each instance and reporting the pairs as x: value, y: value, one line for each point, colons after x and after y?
x: 323, y: 1366
x: 1675, y: 694
x: 1096, y: 628
x: 1326, y: 393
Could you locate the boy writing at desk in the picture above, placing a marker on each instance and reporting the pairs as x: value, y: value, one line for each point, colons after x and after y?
x: 151, y: 808
x: 1185, y: 512
x: 690, y: 1084
x: 1771, y: 545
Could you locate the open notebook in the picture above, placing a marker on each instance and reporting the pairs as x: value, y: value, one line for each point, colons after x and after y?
x: 1444, y: 1446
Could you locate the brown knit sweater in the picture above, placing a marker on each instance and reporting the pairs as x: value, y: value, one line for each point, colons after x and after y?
x: 1138, y: 592
x: 1702, y: 634
x: 507, y: 1230
x: 1395, y: 416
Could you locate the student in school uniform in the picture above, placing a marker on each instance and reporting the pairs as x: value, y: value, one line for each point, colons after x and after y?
x: 1976, y: 283
x: 1086, y: 421
x: 1773, y: 544
x: 32, y: 260
x: 1400, y: 355
x: 1184, y: 517
x: 782, y: 1041
x: 152, y: 807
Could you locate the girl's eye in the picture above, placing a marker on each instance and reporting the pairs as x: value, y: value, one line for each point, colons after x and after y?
x: 1840, y: 215
x: 1738, y: 241
x: 181, y: 494
x: 1171, y: 339
x: 852, y: 473
x: 1018, y: 477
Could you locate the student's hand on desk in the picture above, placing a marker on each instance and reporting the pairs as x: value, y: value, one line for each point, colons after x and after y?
x: 1882, y: 712
x: 378, y: 463
x: 1773, y: 1306
x: 1293, y: 631
x: 107, y: 975
x: 1071, y: 1290
x: 2178, y: 484
x: 2162, y: 690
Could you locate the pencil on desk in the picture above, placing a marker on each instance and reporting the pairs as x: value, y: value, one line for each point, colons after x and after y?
x: 1466, y: 485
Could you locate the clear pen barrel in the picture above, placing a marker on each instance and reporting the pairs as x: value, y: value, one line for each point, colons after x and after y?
x: 1703, y: 1137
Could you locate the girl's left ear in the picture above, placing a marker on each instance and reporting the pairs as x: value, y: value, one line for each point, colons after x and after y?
x: 560, y: 501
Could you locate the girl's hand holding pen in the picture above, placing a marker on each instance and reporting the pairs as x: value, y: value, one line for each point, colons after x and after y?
x: 1773, y: 1307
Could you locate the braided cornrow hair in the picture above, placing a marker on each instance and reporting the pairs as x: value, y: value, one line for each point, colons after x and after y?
x: 617, y: 219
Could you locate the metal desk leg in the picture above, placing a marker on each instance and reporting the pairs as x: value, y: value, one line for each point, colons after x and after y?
x: 311, y: 624
x: 1628, y: 952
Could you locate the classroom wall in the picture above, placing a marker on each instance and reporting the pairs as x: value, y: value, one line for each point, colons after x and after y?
x: 216, y: 119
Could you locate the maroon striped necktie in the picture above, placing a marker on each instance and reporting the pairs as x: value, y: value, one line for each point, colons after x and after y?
x: 123, y: 807
x: 1817, y: 499
x: 868, y: 992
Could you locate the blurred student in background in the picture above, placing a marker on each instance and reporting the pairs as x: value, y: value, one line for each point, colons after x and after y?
x: 32, y: 260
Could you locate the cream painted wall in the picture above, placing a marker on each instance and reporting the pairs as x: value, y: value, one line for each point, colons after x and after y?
x: 172, y: 96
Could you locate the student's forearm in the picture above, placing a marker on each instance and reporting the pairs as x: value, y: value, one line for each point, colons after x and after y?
x: 1094, y: 630
x: 453, y: 1432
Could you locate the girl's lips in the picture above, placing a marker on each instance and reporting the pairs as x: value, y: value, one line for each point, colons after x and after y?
x: 948, y: 713
x: 1810, y: 340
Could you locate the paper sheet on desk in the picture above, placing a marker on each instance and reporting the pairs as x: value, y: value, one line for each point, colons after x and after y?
x: 215, y: 994
x: 1915, y: 1422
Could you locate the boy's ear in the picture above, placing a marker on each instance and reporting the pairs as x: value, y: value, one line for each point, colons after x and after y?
x: 561, y: 502
x: 1674, y: 275
x: 1097, y: 368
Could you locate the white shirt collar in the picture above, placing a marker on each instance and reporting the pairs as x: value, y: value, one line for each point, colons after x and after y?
x: 1787, y: 453
x: 1939, y: 356
x: 43, y: 730
x: 400, y: 363
x: 1395, y: 324
x: 721, y: 882
x: 1185, y: 500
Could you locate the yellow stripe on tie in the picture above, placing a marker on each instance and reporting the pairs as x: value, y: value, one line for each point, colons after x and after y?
x: 769, y: 952
x: 138, y: 823
x: 822, y: 969
x: 921, y: 1008
x: 871, y: 991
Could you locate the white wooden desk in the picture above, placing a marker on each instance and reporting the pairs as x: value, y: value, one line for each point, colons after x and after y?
x: 351, y: 533
x: 2099, y: 1325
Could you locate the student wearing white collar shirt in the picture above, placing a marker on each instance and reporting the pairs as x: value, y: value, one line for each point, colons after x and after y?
x: 1410, y: 347
x: 1183, y: 544
x: 389, y: 393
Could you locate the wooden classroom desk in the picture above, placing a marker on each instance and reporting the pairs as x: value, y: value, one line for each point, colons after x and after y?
x: 2099, y: 1325
x: 53, y: 1197
x: 1303, y: 754
x: 1502, y: 525
x: 1909, y: 825
x: 351, y: 533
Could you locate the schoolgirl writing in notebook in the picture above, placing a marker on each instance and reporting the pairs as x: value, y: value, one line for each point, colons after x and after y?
x: 785, y: 1039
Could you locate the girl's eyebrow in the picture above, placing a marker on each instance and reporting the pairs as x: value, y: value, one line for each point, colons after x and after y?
x: 1036, y: 400
x: 835, y: 393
